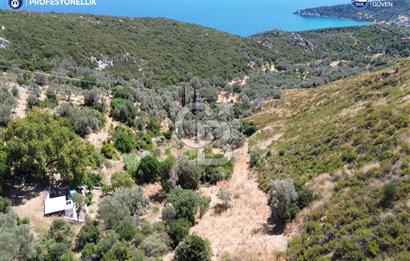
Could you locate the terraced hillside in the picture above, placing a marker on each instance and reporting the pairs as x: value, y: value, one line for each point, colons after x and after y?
x: 354, y: 136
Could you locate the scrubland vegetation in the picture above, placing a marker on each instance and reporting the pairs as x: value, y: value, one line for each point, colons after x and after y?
x: 355, y: 130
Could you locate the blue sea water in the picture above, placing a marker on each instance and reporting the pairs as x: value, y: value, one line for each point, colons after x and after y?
x: 241, y: 17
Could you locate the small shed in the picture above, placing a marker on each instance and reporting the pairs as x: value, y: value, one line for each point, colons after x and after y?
x: 58, y: 204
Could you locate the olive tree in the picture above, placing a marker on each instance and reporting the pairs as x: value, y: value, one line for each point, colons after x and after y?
x: 193, y: 248
x: 282, y: 199
x: 16, y: 240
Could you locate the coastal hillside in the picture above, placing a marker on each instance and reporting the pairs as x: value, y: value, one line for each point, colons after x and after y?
x: 349, y: 142
x: 359, y: 43
x: 162, y: 55
x: 161, y: 50
x: 314, y: 58
x: 396, y: 12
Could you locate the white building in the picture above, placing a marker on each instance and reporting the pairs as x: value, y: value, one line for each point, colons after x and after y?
x: 59, y: 204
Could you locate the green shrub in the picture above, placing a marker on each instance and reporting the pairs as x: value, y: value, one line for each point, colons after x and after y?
x: 225, y: 195
x: 248, y: 127
x: 213, y: 174
x: 154, y: 125
x: 187, y: 203
x: 127, y: 229
x: 84, y: 119
x: 89, y: 252
x: 193, y: 248
x: 389, y: 193
x: 4, y: 205
x: 124, y: 111
x: 168, y: 213
x: 256, y: 158
x: 122, y: 180
x: 108, y: 150
x: 88, y: 82
x: 178, y: 230
x: 149, y: 170
x: 89, y: 233
x: 156, y: 244
x: 282, y: 198
x: 123, y: 140
x: 122, y: 204
x: 122, y: 92
x: 57, y: 250
x: 61, y: 231
x: 131, y: 162
x: 105, y: 243
x: 189, y: 175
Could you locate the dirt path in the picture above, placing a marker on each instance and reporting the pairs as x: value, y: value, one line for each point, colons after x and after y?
x: 97, y: 139
x: 242, y: 231
x: 20, y: 110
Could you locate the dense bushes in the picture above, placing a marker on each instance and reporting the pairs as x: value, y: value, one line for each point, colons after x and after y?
x: 123, y: 140
x: 16, y: 240
x: 214, y: 174
x: 85, y: 120
x: 156, y: 244
x: 248, y: 127
x: 122, y: 204
x: 95, y: 99
x: 108, y: 150
x: 124, y: 111
x: 285, y: 200
x: 389, y: 193
x: 187, y: 203
x: 149, y: 170
x: 56, y: 243
x: 89, y: 234
x: 41, y: 145
x: 7, y: 103
x: 121, y: 180
x: 189, y: 174
x: 193, y: 248
x: 178, y: 229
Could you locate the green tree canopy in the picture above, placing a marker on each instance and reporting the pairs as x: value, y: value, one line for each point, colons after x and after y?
x: 193, y: 248
x: 187, y: 203
x: 16, y: 240
x: 41, y: 145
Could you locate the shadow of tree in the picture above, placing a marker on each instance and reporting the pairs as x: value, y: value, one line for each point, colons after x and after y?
x: 158, y: 197
x: 18, y: 191
x: 273, y: 228
x: 220, y: 208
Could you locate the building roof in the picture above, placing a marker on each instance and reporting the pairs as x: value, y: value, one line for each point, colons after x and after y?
x: 58, y: 204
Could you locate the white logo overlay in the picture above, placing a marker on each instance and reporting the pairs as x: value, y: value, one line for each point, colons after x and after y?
x: 360, y: 4
x: 18, y: 4
x: 15, y: 4
x: 363, y: 4
x: 204, y: 129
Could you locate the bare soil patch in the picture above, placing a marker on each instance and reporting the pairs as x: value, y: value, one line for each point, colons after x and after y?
x: 243, y: 227
x: 20, y: 110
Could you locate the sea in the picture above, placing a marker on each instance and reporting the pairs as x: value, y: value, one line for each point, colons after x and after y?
x: 240, y: 17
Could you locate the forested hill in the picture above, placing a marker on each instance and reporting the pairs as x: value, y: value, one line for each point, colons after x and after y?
x: 398, y: 13
x: 348, y: 43
x: 161, y: 49
x: 162, y: 52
